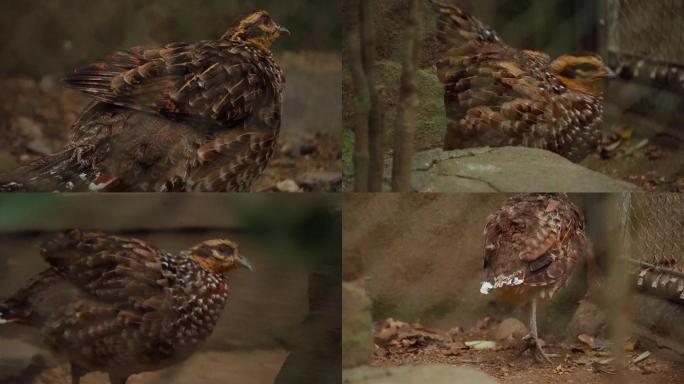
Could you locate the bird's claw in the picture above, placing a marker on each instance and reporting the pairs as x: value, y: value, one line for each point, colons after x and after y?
x: 536, y: 344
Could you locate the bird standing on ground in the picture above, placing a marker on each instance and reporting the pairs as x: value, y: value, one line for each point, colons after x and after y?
x: 122, y: 306
x: 185, y: 117
x: 496, y: 95
x: 532, y: 243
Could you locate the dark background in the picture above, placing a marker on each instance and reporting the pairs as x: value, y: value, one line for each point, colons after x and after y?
x: 52, y: 36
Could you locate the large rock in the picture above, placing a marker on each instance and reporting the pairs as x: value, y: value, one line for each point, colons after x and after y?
x: 510, y: 169
x: 20, y: 360
x: 510, y: 330
x: 434, y: 374
x: 658, y: 324
x: 357, y: 326
x: 588, y: 319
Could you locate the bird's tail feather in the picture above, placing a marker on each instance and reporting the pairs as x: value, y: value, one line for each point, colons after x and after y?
x: 48, y: 173
x: 5, y: 317
x: 456, y: 28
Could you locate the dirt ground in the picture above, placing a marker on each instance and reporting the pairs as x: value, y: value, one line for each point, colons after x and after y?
x: 248, y: 367
x: 35, y: 116
x: 398, y: 344
x: 652, y: 161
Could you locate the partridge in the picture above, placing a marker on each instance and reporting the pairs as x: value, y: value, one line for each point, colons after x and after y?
x: 199, y: 116
x: 532, y: 243
x: 496, y: 95
x: 121, y: 306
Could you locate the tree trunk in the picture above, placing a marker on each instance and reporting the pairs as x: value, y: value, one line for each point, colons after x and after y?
x: 375, y: 123
x: 360, y: 91
x: 404, y: 128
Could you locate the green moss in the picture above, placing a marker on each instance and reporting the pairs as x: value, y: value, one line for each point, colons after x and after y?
x: 384, y: 308
x: 357, y: 339
x: 431, y: 119
x: 431, y: 116
x: 347, y: 156
x: 439, y: 310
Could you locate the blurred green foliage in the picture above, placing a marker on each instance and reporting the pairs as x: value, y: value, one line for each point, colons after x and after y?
x: 305, y: 229
x: 52, y: 37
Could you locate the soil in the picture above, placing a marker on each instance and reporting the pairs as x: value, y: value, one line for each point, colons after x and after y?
x: 398, y: 343
x: 248, y: 367
x: 652, y: 162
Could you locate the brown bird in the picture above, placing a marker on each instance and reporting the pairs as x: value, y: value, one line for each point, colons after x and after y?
x: 185, y: 117
x: 121, y: 306
x: 532, y: 243
x: 496, y: 95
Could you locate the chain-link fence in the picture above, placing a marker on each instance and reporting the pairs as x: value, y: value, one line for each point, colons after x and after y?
x: 645, y: 40
x: 654, y: 241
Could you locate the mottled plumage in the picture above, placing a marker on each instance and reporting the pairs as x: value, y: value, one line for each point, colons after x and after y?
x: 185, y: 117
x: 496, y: 95
x: 532, y: 243
x: 122, y: 306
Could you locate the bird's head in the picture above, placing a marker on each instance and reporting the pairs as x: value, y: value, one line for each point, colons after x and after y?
x: 258, y: 28
x: 219, y: 256
x: 582, y: 73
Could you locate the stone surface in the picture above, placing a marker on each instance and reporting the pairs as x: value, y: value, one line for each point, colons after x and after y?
x: 434, y: 374
x: 19, y: 359
x: 246, y: 367
x: 510, y: 169
x: 588, y: 319
x: 510, y: 330
x: 357, y: 325
x: 659, y: 323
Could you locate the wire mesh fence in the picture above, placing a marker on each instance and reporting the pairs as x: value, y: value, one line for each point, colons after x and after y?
x: 654, y: 241
x: 646, y: 40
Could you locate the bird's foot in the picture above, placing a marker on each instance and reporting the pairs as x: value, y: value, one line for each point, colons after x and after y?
x: 536, y: 344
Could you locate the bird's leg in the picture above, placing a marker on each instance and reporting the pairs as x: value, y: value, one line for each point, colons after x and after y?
x: 76, y: 373
x: 532, y: 340
x: 114, y: 379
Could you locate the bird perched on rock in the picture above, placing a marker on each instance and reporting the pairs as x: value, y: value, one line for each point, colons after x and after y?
x: 496, y: 95
x: 532, y: 243
x: 119, y: 305
x: 185, y: 117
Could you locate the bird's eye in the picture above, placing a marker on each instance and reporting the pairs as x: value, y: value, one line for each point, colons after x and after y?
x: 225, y: 249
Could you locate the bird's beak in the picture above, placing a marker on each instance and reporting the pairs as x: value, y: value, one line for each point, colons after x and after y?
x: 242, y: 261
x: 284, y: 31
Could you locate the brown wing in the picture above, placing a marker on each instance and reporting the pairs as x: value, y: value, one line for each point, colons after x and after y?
x: 534, y: 240
x: 231, y: 162
x: 114, y: 295
x: 212, y: 80
x: 108, y: 268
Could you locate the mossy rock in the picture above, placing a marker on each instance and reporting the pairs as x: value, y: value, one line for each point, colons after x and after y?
x: 431, y: 117
x: 357, y: 326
